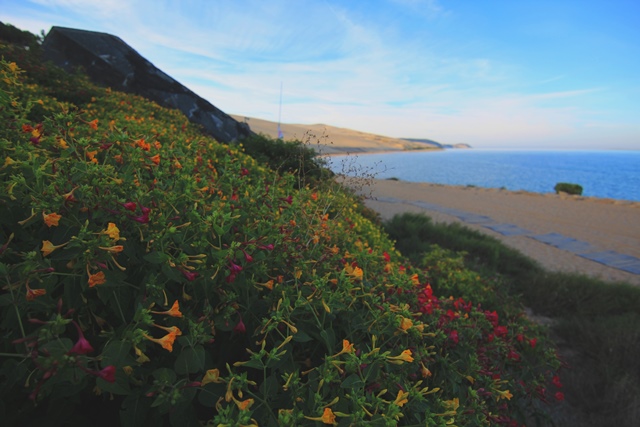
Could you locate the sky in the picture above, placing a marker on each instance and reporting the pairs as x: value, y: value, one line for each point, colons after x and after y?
x: 493, y: 73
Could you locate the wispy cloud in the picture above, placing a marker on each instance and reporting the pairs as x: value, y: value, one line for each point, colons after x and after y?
x: 395, y: 67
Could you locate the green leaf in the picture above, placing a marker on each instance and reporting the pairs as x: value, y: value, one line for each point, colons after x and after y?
x: 117, y: 353
x: 329, y: 338
x: 164, y: 375
x: 352, y: 381
x: 190, y: 360
x: 302, y: 336
x: 156, y: 257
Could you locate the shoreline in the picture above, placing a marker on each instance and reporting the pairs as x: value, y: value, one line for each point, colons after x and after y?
x: 574, y: 234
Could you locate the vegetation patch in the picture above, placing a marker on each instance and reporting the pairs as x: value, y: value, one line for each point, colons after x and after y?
x: 151, y: 275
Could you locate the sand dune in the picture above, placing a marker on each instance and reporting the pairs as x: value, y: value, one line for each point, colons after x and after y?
x: 333, y: 140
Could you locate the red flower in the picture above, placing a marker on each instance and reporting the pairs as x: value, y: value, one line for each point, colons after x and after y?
x: 500, y: 331
x: 556, y: 381
x: 559, y: 396
x: 131, y: 206
x: 492, y: 317
x: 453, y: 336
x: 240, y: 328
x: 532, y: 342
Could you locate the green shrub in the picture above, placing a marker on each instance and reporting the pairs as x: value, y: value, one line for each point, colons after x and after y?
x: 568, y: 188
x: 153, y: 276
x: 288, y: 157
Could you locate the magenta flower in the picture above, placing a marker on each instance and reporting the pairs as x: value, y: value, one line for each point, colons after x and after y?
x: 82, y: 346
x: 131, y: 206
x: 190, y: 275
x: 108, y: 373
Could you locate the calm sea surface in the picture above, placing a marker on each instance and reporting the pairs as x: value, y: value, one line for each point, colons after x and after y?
x: 608, y: 174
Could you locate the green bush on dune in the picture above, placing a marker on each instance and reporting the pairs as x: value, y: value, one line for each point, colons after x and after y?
x: 151, y: 275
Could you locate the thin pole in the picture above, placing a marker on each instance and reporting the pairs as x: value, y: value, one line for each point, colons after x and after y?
x: 280, y: 134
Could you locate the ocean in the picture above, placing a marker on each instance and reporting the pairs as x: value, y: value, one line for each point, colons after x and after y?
x: 606, y: 174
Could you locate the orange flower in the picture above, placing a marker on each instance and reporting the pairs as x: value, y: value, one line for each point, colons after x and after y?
x: 34, y: 293
x: 174, y: 311
x: 48, y: 247
x: 347, y: 347
x: 328, y: 417
x: 96, y: 279
x: 51, y: 219
x: 144, y: 145
x: 91, y: 155
x: 356, y: 273
x: 93, y: 124
x: 157, y: 145
x: 405, y: 323
x: 156, y: 159
x: 415, y: 279
x: 113, y: 249
x: 166, y: 342
x: 118, y: 158
x: 243, y: 405
x: 171, y: 329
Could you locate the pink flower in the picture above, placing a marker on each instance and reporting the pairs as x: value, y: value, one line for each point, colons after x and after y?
x: 108, y: 373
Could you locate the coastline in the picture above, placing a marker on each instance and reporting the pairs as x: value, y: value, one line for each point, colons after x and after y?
x: 585, y: 227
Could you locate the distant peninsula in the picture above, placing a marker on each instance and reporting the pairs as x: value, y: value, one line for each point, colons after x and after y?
x: 327, y: 139
x: 435, y: 144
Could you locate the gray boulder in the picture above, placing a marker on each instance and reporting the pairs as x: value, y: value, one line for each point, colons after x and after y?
x: 109, y: 61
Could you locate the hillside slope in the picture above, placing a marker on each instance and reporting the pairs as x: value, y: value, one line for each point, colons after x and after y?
x: 334, y: 140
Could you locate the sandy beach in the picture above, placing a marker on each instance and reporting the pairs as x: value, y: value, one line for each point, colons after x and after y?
x: 604, y: 227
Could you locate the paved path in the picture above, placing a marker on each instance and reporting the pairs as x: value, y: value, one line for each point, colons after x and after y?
x: 599, y: 238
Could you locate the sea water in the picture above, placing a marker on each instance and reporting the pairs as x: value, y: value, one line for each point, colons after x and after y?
x: 605, y: 174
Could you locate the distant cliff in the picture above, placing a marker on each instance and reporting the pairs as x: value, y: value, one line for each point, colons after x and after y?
x: 435, y: 144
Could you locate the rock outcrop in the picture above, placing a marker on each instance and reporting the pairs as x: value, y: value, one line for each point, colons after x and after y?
x: 109, y: 61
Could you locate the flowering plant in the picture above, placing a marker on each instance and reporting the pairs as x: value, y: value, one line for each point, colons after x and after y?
x: 149, y: 269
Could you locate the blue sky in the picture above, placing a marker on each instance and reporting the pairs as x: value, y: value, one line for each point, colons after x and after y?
x: 491, y: 73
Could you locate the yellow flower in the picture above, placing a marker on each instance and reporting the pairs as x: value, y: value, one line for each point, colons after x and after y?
x: 112, y: 231
x: 506, y: 394
x: 48, y: 247
x: 51, y: 219
x: 405, y: 356
x: 401, y: 399
x: 211, y: 376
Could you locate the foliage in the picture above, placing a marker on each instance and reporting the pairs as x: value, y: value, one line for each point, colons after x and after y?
x: 598, y: 322
x: 151, y: 275
x: 288, y: 157
x: 568, y: 188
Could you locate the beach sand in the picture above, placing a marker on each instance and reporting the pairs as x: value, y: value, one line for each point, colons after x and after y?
x: 604, y: 224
